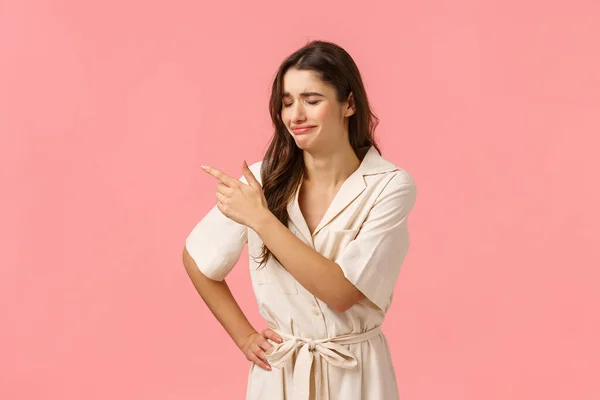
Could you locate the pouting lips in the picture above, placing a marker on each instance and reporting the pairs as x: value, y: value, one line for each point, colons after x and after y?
x: 301, y: 130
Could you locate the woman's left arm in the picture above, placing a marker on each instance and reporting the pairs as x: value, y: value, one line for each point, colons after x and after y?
x: 318, y: 274
x: 246, y: 204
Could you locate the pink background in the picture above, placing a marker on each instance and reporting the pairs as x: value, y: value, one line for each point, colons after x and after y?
x: 108, y: 110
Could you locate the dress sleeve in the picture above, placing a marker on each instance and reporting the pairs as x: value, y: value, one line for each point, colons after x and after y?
x: 216, y: 242
x: 373, y: 259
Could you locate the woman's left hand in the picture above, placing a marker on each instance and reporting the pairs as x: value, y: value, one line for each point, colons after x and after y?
x: 244, y: 204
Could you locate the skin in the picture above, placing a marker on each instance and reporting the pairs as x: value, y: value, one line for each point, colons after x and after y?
x: 220, y: 301
x: 329, y: 160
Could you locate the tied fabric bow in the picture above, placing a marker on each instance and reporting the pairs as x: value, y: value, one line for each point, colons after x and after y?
x: 327, y: 349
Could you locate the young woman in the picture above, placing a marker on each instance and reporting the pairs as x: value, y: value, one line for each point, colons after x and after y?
x: 325, y: 218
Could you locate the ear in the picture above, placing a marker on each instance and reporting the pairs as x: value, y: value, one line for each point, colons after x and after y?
x: 351, y: 106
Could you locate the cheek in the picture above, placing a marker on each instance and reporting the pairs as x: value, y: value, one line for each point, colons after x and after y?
x: 321, y: 114
x: 286, y: 115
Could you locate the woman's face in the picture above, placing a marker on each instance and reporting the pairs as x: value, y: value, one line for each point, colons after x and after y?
x: 307, y: 101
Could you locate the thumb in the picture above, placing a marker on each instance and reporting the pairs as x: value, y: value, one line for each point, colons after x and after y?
x: 252, y: 181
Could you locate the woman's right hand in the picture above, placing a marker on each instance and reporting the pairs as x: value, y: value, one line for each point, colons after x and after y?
x: 256, y: 344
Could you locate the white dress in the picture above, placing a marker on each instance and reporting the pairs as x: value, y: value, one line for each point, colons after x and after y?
x: 326, y: 354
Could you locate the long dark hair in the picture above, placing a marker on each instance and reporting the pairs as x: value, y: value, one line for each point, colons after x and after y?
x: 283, y: 167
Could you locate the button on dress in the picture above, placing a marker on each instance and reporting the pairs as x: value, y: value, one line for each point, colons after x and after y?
x: 325, y: 354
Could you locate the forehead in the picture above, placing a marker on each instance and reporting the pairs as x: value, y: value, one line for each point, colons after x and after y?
x: 297, y: 81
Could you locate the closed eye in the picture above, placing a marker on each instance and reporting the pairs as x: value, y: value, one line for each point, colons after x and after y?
x: 313, y: 103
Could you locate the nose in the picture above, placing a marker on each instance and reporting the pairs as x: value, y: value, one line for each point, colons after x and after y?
x: 297, y: 113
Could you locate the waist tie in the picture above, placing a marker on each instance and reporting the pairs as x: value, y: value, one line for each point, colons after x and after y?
x: 329, y: 349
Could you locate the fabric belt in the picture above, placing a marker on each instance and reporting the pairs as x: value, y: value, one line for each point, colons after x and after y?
x: 328, y: 349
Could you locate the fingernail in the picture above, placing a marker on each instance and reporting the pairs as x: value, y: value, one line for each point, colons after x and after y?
x: 268, y: 367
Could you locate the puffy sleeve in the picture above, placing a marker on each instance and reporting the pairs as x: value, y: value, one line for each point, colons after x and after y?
x: 373, y: 259
x: 216, y: 242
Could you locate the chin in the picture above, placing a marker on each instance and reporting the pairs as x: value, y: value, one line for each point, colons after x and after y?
x: 304, y: 143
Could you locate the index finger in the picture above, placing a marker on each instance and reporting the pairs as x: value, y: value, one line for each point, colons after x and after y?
x: 269, y: 334
x: 222, y: 176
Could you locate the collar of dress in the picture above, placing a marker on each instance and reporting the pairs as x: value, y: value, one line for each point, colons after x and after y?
x: 371, y: 164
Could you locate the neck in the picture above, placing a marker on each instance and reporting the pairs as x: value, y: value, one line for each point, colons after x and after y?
x: 329, y: 170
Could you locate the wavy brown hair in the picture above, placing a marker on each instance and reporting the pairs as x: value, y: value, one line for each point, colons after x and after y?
x: 283, y: 166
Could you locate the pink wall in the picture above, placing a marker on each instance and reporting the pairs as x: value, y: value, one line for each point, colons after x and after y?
x: 108, y: 110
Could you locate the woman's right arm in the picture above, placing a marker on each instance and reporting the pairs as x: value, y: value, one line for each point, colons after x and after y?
x: 225, y: 308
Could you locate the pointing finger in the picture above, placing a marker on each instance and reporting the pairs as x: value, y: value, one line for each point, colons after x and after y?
x: 221, y: 176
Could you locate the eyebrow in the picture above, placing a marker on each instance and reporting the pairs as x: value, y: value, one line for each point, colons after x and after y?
x: 303, y: 94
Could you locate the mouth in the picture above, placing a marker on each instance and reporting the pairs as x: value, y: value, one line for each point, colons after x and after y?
x: 299, y: 131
